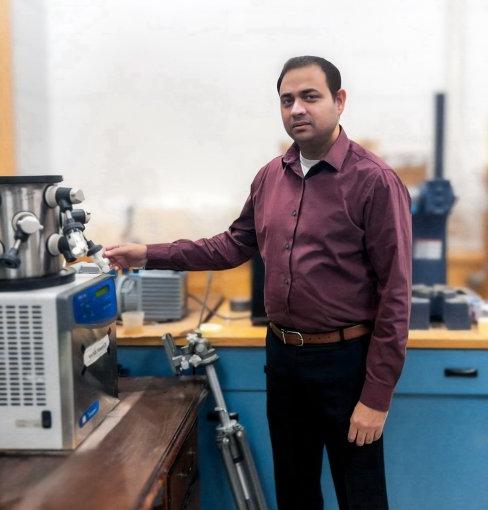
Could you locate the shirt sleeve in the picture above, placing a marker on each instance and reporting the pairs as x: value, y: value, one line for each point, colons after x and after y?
x: 388, y: 233
x: 223, y: 251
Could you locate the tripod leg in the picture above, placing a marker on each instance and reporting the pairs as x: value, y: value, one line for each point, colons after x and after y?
x: 257, y: 490
x: 235, y: 481
x: 237, y: 456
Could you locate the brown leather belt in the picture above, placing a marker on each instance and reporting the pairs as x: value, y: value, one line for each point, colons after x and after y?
x: 338, y: 335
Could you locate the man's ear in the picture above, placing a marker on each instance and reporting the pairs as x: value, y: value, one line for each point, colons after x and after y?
x: 340, y: 100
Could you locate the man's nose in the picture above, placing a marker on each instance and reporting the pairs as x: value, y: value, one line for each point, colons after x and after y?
x: 298, y: 108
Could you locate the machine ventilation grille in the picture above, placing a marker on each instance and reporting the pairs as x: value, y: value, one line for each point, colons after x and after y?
x: 22, y: 364
x: 163, y: 298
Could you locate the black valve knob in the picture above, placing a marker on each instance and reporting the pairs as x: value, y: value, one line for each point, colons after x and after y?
x: 80, y: 216
x: 11, y: 259
x: 93, y: 248
x: 70, y: 225
x: 65, y: 249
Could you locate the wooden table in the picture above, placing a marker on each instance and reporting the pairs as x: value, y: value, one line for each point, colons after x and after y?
x: 239, y: 332
x: 142, y: 456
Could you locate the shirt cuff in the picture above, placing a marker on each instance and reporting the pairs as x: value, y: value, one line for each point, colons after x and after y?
x: 158, y: 256
x: 377, y: 395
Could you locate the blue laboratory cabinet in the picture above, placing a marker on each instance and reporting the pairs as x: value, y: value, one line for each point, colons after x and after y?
x: 436, y: 436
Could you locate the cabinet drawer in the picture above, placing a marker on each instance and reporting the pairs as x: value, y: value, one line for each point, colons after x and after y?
x: 449, y: 372
x: 183, y: 472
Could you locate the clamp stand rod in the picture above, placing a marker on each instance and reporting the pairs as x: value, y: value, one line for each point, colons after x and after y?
x: 231, y: 436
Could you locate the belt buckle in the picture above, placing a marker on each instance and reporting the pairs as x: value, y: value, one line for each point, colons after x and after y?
x: 283, y: 335
x: 295, y: 333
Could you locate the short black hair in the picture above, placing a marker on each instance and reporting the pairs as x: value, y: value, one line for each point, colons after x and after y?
x: 332, y: 74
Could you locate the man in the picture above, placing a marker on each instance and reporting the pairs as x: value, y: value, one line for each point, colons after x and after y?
x: 332, y: 223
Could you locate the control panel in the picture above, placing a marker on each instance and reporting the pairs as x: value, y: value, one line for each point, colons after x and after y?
x: 96, y: 304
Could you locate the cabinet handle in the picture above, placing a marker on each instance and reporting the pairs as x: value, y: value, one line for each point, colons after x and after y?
x: 461, y: 372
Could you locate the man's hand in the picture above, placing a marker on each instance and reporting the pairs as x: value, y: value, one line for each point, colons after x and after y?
x: 126, y: 255
x: 366, y: 425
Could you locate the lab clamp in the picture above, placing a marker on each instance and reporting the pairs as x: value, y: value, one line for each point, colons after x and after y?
x: 231, y: 437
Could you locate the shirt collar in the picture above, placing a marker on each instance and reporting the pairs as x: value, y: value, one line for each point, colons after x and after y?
x: 335, y: 156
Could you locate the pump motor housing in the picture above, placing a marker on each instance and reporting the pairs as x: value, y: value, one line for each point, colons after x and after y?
x: 161, y: 294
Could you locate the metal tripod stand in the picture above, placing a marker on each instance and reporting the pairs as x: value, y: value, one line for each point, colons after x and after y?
x: 231, y: 436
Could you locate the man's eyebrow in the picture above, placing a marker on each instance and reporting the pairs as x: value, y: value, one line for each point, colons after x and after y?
x: 302, y: 92
x: 307, y: 91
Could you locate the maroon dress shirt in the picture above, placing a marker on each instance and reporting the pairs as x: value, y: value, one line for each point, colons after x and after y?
x: 336, y: 247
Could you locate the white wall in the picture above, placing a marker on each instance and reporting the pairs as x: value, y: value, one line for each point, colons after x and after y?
x: 173, y: 105
x: 467, y: 135
x: 30, y: 82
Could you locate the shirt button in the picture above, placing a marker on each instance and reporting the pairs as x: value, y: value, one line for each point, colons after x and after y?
x: 286, y: 281
x: 294, y: 213
x: 287, y: 246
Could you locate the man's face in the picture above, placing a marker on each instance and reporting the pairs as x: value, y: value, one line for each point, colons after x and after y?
x: 310, y: 114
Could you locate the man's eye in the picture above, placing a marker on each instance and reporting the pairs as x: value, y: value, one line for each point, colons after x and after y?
x: 311, y: 97
x: 286, y: 102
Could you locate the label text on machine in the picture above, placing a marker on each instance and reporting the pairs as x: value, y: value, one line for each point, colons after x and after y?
x: 96, y: 351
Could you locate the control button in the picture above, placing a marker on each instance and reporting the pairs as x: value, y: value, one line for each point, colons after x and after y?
x: 46, y: 419
x: 294, y: 212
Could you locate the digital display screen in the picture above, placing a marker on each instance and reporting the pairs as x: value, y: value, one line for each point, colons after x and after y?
x: 102, y: 291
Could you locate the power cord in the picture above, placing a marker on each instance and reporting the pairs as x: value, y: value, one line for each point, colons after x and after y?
x: 219, y: 315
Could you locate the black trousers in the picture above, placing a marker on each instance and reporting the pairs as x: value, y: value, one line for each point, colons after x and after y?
x: 311, y: 394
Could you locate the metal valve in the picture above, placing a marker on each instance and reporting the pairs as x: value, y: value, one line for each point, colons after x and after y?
x: 57, y: 245
x: 73, y: 244
x: 64, y: 197
x: 25, y: 224
x: 52, y: 245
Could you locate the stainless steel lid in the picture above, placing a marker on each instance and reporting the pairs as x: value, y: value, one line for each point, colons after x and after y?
x: 30, y: 179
